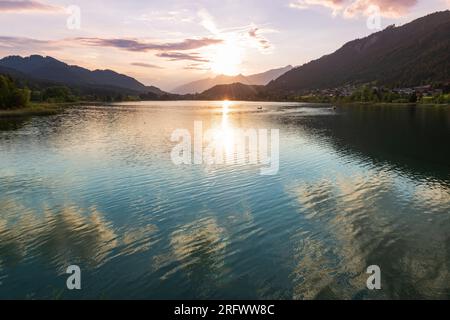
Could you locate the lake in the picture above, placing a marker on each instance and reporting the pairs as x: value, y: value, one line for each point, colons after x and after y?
x: 96, y: 186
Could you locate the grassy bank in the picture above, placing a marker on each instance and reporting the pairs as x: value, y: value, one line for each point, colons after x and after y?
x: 38, y: 109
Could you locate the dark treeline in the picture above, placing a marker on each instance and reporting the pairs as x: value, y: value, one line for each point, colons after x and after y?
x: 437, y: 93
x: 16, y: 94
x: 12, y: 97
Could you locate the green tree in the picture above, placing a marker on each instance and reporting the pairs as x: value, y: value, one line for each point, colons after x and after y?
x: 12, y: 97
x: 57, y: 94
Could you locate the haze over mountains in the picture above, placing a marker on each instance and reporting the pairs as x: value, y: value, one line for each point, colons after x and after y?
x: 255, y: 79
x: 49, y: 69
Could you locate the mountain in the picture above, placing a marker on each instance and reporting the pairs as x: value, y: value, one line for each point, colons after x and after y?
x: 11, y: 72
x: 415, y: 53
x: 255, y: 79
x: 204, y: 84
x: 265, y: 77
x: 234, y: 91
x: 155, y: 90
x: 49, y: 69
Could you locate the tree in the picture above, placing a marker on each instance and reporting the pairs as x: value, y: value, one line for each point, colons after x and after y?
x: 12, y: 97
x: 413, y: 98
x: 57, y: 94
x: 20, y: 97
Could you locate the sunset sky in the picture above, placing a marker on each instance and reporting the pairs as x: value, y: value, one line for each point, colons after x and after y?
x: 167, y: 43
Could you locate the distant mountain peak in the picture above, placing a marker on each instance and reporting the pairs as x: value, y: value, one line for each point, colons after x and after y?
x: 255, y: 79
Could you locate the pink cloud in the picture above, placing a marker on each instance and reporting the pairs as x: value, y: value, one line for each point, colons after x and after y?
x: 260, y: 42
x: 146, y: 65
x: 352, y: 8
x: 142, y: 46
x: 388, y: 8
x: 178, y: 56
x: 335, y: 5
x: 27, y: 6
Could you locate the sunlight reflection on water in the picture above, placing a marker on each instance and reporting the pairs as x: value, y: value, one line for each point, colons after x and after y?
x: 95, y: 186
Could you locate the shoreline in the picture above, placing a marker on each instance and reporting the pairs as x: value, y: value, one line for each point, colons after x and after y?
x: 46, y: 109
x: 41, y: 109
x: 32, y: 110
x: 391, y: 104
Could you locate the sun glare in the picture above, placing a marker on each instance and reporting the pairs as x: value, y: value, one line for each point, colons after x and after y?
x: 227, y: 58
x: 225, y: 135
x: 226, y: 106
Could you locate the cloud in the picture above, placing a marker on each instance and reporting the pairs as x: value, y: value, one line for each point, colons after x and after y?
x: 178, y: 56
x: 146, y: 65
x: 143, y: 46
x: 335, y: 5
x: 27, y: 6
x: 258, y: 40
x: 168, y: 51
x: 197, y: 66
x: 26, y: 45
x: 207, y: 21
x: 352, y: 8
x: 388, y: 8
x: 181, y: 16
x: 22, y: 43
x: 247, y: 36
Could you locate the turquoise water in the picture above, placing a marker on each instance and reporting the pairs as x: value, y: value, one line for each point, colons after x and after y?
x: 96, y: 187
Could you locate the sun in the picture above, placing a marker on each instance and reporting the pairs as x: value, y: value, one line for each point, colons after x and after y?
x: 227, y: 58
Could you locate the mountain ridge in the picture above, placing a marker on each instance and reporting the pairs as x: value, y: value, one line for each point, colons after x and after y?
x: 202, y: 85
x: 234, y: 91
x: 47, y: 68
x: 411, y: 54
